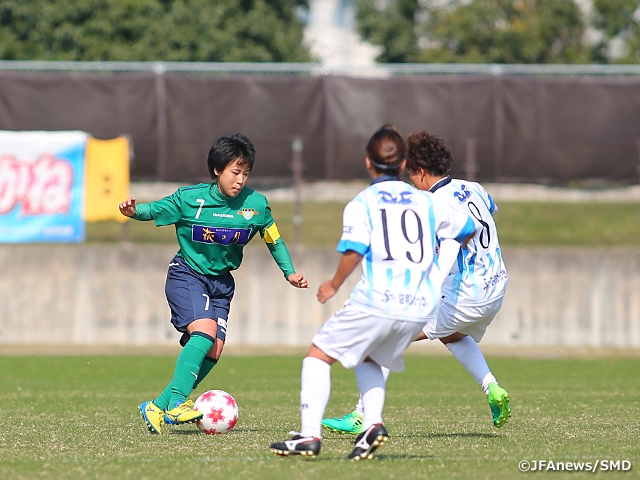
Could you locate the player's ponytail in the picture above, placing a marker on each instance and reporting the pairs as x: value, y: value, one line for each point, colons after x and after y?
x: 386, y: 150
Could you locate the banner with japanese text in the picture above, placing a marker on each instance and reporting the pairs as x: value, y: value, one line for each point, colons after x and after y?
x: 42, y: 186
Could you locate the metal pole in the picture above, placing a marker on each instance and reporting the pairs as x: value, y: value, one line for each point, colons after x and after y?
x: 296, y: 147
x: 470, y: 163
x: 638, y: 143
x: 329, y: 150
x: 498, y: 134
x: 161, y: 118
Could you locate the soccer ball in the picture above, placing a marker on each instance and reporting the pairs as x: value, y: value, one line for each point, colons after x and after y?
x: 220, y: 412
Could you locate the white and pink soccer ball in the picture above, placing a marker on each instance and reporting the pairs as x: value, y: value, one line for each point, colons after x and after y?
x: 220, y: 412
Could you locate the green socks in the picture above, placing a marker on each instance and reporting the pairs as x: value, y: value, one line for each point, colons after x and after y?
x: 188, y: 368
x: 207, y: 364
x: 162, y: 402
x: 164, y: 399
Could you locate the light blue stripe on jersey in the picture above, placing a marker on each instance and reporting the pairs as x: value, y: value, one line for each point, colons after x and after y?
x: 468, y: 229
x: 389, y: 277
x: 345, y: 245
x: 407, y: 279
x: 492, y: 205
x: 472, y: 268
x: 422, y: 278
x: 457, y: 279
x: 432, y: 227
x: 434, y: 296
x: 371, y: 290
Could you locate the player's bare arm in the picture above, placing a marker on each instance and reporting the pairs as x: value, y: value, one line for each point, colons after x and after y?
x: 128, y: 207
x: 298, y: 280
x: 348, y: 263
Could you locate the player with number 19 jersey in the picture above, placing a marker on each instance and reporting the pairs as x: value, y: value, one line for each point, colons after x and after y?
x: 479, y: 275
x: 395, y: 228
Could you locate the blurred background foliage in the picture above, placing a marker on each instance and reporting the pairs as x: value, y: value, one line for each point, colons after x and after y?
x: 502, y: 31
x: 153, y: 30
x: 465, y: 31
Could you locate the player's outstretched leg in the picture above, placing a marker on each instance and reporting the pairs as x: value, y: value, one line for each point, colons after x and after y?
x: 498, y: 399
x: 183, y: 413
x: 350, y: 423
x: 369, y: 441
x: 298, y: 445
x: 152, y: 416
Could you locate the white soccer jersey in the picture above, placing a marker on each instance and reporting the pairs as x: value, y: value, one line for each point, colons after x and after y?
x: 479, y: 275
x: 394, y: 227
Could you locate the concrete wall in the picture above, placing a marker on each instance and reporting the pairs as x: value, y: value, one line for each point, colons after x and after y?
x: 114, y: 294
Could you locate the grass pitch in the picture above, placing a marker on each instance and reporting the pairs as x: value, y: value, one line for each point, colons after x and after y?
x: 77, y: 417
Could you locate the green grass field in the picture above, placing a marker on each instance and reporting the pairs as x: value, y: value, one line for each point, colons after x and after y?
x: 519, y: 223
x: 76, y: 417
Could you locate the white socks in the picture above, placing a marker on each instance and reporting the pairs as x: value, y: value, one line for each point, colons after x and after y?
x: 469, y: 355
x: 371, y: 383
x: 314, y: 395
x: 359, y: 408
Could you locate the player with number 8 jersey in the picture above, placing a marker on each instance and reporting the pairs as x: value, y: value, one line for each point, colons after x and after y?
x: 213, y: 222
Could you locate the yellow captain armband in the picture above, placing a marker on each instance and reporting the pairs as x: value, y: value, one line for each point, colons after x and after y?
x: 271, y: 234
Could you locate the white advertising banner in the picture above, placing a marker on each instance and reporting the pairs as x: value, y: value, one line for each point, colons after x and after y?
x: 42, y: 186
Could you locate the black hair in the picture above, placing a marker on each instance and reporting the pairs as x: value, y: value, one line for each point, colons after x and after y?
x: 227, y: 149
x: 428, y: 152
x: 386, y: 150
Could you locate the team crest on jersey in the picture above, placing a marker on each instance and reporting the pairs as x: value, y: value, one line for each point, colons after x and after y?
x: 404, y: 198
x: 462, y: 196
x: 247, y: 213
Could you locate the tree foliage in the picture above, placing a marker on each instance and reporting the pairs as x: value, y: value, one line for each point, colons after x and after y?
x: 153, y: 30
x: 496, y: 31
x: 618, y: 21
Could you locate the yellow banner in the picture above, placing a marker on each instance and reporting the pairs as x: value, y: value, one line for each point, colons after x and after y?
x: 106, y: 178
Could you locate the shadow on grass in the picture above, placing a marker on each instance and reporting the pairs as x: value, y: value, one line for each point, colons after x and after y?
x: 178, y: 431
x: 184, y: 432
x: 343, y: 458
x: 451, y: 435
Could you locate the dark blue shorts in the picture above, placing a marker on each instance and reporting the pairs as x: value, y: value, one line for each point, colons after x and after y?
x: 192, y: 295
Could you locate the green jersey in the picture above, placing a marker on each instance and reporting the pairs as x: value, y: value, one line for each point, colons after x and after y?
x: 212, y: 229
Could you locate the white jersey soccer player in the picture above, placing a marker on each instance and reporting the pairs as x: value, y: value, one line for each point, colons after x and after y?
x: 391, y: 230
x: 473, y: 291
x: 474, y: 279
x: 394, y: 227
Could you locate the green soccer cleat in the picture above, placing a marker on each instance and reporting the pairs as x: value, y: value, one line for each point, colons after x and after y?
x: 350, y: 423
x: 182, y: 413
x: 152, y: 416
x: 498, y: 399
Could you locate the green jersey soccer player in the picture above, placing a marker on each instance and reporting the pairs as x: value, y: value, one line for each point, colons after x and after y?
x: 213, y: 221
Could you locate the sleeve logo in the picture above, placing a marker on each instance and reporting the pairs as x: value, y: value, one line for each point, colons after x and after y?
x: 462, y: 196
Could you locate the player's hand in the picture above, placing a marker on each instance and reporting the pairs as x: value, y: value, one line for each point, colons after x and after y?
x: 128, y: 207
x: 298, y: 280
x: 326, y: 291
